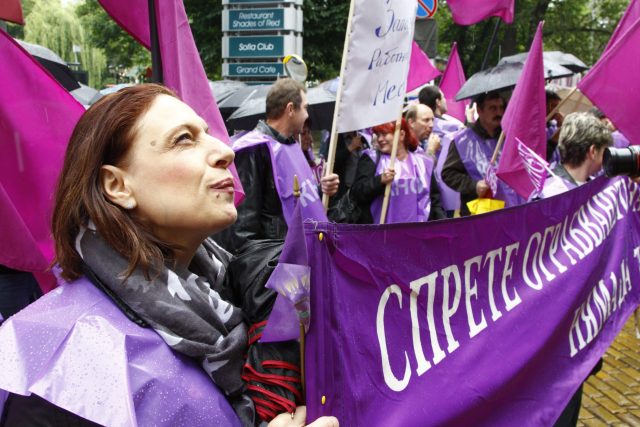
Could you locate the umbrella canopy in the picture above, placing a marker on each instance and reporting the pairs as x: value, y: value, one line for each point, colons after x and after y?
x: 567, y: 60
x: 504, y: 76
x: 86, y: 95
x: 576, y: 101
x: 236, y: 99
x: 321, y: 105
x: 114, y: 88
x: 222, y: 89
x: 53, y: 63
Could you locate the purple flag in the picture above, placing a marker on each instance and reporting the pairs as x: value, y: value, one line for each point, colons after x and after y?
x: 630, y: 16
x: 535, y: 166
x: 37, y: 116
x: 469, y: 12
x: 421, y: 70
x: 290, y: 280
x: 525, y: 118
x: 411, y: 328
x: 613, y: 78
x: 452, y: 80
x: 181, y: 65
x: 492, y: 179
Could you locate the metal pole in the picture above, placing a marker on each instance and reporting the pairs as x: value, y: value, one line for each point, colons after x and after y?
x: 156, y: 60
x: 491, y: 42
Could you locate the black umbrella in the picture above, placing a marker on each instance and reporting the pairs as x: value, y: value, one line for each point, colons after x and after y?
x: 321, y: 106
x: 222, y: 89
x: 567, y: 60
x: 53, y: 63
x: 504, y: 76
x: 86, y: 95
x: 236, y: 99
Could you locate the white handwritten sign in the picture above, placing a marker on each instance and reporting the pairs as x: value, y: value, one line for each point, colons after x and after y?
x: 377, y: 63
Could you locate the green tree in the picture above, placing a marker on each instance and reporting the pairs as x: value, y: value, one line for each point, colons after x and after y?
x: 55, y: 26
x: 122, y: 51
x: 325, y: 25
x: 205, y: 19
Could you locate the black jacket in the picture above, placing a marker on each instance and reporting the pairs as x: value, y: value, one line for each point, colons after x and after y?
x: 260, y: 215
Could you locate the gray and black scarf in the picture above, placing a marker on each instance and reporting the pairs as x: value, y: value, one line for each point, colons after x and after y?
x: 183, y: 308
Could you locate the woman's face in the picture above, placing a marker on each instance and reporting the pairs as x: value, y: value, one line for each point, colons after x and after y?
x: 178, y: 174
x: 385, y: 142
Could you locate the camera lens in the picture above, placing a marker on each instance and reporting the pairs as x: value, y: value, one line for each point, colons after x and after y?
x: 622, y: 161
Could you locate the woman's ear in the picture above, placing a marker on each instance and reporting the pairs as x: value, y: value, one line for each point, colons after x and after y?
x: 114, y: 185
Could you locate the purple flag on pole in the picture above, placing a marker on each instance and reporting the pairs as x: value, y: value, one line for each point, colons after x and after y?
x: 525, y: 119
x: 535, y: 165
x: 181, y: 65
x: 452, y: 80
x: 411, y: 328
x: 421, y: 70
x: 290, y: 280
x: 613, y: 78
x: 469, y: 12
x: 631, y: 15
x: 37, y: 116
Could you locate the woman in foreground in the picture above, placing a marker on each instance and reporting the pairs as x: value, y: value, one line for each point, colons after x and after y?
x: 142, y: 187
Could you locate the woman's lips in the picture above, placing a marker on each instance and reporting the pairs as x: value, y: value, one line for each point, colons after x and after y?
x: 224, y: 185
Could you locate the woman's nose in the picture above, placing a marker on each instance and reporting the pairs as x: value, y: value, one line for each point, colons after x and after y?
x: 221, y: 155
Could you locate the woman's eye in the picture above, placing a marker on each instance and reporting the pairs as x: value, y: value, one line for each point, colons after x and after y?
x: 185, y: 137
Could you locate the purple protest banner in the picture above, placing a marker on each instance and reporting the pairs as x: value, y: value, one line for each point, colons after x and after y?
x: 181, y: 65
x: 469, y: 12
x: 492, y: 320
x: 452, y: 80
x: 613, y: 78
x: 631, y: 15
x: 525, y: 118
x: 421, y: 70
x: 37, y: 116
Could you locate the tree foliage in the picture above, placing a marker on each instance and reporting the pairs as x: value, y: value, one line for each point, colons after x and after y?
x: 581, y: 27
x: 57, y: 27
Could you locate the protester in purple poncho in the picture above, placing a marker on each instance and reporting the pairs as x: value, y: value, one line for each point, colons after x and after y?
x: 470, y: 154
x: 432, y: 97
x: 142, y: 187
x: 414, y: 194
x: 582, y: 141
x: 619, y: 140
x: 553, y: 125
x: 267, y: 159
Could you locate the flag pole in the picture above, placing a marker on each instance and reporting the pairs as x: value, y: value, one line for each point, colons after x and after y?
x: 491, y: 43
x: 156, y: 60
x: 296, y: 195
x: 333, y: 142
x: 498, y: 146
x: 562, y: 101
x: 392, y: 161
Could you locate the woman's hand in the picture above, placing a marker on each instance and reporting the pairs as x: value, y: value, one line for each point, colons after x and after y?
x: 329, y: 184
x: 299, y: 419
x: 387, y: 176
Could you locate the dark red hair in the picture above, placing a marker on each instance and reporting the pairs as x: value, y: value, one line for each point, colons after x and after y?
x: 410, y: 140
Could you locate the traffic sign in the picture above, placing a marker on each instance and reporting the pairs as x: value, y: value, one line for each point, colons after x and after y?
x: 427, y: 8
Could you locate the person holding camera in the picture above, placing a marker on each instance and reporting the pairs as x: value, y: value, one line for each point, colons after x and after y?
x: 582, y: 142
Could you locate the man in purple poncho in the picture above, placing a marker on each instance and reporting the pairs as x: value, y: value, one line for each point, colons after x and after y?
x: 470, y: 154
x: 432, y: 97
x: 267, y: 159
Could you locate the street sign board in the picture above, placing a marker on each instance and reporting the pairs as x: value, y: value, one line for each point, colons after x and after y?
x: 253, y: 69
x: 259, y: 46
x: 261, y: 19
